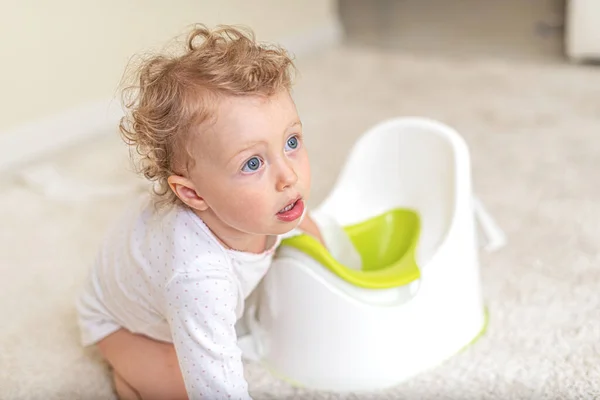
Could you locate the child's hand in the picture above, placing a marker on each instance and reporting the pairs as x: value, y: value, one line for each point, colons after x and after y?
x: 333, y: 237
x: 309, y: 226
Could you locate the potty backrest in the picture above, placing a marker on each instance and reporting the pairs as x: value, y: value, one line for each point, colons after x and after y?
x: 408, y: 163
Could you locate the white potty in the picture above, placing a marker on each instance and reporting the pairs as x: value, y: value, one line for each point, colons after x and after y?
x: 333, y: 328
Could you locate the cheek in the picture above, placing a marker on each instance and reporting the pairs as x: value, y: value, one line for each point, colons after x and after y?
x: 246, y: 203
x: 304, y: 167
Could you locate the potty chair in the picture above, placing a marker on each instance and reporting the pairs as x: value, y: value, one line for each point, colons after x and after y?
x: 412, y: 298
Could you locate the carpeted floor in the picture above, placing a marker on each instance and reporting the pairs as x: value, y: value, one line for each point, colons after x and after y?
x: 533, y: 132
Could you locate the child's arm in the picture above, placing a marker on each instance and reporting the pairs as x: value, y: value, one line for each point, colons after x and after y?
x: 201, y: 311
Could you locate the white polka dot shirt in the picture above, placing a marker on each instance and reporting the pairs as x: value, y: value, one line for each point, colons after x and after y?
x: 162, y: 273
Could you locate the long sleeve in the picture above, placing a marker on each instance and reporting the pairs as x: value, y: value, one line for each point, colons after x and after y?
x: 201, y: 313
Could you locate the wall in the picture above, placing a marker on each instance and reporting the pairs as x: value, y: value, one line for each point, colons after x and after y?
x: 60, y: 54
x: 582, y: 39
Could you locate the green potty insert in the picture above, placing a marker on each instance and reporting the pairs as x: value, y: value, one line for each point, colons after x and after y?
x: 386, y: 244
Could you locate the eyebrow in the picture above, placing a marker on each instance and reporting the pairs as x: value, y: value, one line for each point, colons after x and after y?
x: 250, y: 145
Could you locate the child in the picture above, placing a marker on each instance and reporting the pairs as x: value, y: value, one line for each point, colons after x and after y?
x: 219, y: 135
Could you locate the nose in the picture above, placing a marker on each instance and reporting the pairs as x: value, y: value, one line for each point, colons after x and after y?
x: 286, y: 175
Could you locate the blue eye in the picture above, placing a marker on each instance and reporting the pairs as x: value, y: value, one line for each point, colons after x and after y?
x: 252, y: 165
x: 292, y: 143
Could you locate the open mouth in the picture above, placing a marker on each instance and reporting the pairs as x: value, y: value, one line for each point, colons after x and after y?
x: 288, y: 207
x: 292, y: 211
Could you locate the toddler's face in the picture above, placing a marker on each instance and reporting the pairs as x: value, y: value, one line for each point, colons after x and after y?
x: 251, y: 165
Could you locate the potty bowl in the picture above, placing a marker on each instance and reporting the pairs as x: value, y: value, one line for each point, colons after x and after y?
x: 404, y: 199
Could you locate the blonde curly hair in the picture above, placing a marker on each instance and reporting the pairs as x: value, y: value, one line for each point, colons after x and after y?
x: 173, y: 95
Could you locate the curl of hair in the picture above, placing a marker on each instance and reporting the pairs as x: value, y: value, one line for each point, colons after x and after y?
x: 172, y: 95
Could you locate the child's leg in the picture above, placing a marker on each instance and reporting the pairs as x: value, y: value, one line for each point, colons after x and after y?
x: 124, y: 390
x: 143, y: 368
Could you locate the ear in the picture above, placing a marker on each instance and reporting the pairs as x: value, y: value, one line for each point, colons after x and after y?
x: 185, y: 190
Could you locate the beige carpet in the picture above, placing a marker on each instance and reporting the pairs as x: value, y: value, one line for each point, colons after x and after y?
x: 533, y: 131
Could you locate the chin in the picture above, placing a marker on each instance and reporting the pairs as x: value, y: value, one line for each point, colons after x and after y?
x: 285, y: 227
